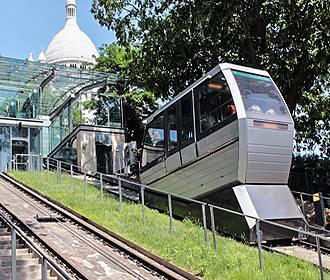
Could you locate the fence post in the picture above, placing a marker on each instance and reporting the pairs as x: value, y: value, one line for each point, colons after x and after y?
x: 204, y: 225
x: 302, y: 204
x: 101, y: 185
x: 85, y: 182
x: 170, y: 209
x: 60, y: 165
x: 44, y: 269
x: 57, y: 172
x: 213, y: 229
x: 13, y: 254
x: 323, y: 208
x: 30, y: 163
x: 259, y: 242
x: 71, y: 174
x: 320, y: 257
x: 48, y: 168
x: 120, y: 194
x: 142, y: 201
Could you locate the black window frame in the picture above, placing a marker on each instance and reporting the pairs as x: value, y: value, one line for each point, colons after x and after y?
x: 178, y: 122
x: 160, y: 158
x: 192, y: 139
x: 202, y: 134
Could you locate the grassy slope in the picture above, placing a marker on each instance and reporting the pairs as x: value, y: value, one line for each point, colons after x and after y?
x: 185, y: 246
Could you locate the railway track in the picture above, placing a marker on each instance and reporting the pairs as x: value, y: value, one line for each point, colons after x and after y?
x: 87, y: 250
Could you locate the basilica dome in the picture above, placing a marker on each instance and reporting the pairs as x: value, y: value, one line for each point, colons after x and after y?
x: 71, y: 46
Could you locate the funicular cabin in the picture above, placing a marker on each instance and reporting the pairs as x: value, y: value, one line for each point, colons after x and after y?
x: 227, y: 140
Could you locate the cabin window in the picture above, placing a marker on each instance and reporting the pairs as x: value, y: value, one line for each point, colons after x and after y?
x: 172, y: 129
x: 187, y: 130
x: 215, y: 103
x: 260, y: 95
x: 154, y: 144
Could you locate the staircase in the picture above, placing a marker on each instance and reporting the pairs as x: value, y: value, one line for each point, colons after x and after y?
x: 28, y: 264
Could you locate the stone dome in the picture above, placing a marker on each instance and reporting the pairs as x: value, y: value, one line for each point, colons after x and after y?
x: 71, y: 45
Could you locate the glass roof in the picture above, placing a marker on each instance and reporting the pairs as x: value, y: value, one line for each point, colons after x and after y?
x: 21, y: 81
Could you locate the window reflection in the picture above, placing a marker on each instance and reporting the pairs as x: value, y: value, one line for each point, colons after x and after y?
x: 215, y: 102
x: 259, y: 94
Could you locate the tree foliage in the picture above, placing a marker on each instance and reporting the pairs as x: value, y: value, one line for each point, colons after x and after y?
x: 178, y: 41
x: 138, y: 103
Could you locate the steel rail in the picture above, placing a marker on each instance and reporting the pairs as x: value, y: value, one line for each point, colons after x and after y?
x: 31, y: 244
x: 152, y: 261
x: 77, y: 235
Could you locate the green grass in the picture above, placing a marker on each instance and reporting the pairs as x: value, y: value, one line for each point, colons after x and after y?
x: 184, y: 246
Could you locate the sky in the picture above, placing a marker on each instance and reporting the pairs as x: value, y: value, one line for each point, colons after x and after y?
x: 30, y: 25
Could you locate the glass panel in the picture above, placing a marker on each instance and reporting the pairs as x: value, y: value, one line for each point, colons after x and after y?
x: 55, y: 133
x: 153, y: 147
x: 65, y: 123
x: 103, y: 143
x: 35, y: 140
x: 215, y: 102
x: 69, y: 152
x: 20, y: 132
x: 4, y: 148
x: 187, y: 131
x: 172, y: 130
x: 259, y: 94
x: 103, y: 110
x: 76, y: 113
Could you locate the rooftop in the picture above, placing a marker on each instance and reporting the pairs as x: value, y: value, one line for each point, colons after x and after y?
x: 45, y: 86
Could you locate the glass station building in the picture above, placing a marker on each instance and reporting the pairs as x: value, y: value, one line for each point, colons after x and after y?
x: 53, y: 110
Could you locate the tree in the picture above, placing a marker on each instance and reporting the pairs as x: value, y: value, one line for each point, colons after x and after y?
x: 178, y: 41
x: 138, y: 103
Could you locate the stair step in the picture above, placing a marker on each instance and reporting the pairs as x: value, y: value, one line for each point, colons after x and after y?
x: 8, y: 246
x: 5, y: 237
x: 22, y: 269
x: 27, y: 275
x: 7, y: 258
x: 7, y: 252
x: 19, y: 263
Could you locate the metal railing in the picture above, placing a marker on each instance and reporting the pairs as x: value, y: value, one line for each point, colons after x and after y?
x: 27, y: 162
x: 46, y: 262
x: 310, y: 197
x: 58, y: 166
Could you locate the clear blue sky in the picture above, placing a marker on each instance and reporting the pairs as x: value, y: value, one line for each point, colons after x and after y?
x: 28, y: 25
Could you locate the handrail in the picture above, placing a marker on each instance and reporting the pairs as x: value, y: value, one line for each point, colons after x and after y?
x: 309, y: 194
x: 37, y: 250
x: 203, y: 203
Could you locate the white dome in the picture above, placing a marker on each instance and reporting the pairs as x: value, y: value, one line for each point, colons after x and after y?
x: 71, y: 44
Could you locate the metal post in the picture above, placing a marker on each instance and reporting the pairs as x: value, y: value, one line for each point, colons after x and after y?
x: 213, y: 229
x: 13, y: 254
x: 44, y: 269
x: 320, y: 257
x: 204, y: 224
x: 30, y: 163
x: 170, y: 209
x: 120, y: 195
x: 101, y: 185
x: 71, y: 174
x: 60, y: 165
x: 57, y: 172
x: 142, y: 200
x: 322, y: 208
x: 85, y: 182
x: 48, y: 167
x: 302, y: 204
x: 259, y: 243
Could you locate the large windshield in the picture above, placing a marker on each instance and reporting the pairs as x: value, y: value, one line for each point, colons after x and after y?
x: 260, y: 96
